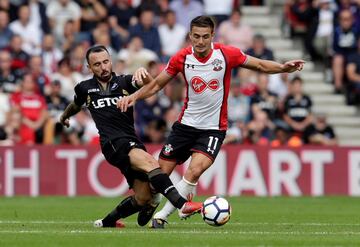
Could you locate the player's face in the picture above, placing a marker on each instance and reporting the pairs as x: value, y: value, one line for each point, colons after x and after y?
x: 100, y: 64
x: 201, y: 38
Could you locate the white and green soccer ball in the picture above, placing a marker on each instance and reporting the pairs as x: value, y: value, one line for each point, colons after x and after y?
x: 216, y: 211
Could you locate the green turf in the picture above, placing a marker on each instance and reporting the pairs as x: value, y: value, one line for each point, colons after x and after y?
x: 59, y: 221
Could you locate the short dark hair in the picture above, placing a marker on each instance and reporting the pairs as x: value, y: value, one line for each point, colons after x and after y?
x: 203, y: 21
x: 94, y: 49
x: 296, y: 78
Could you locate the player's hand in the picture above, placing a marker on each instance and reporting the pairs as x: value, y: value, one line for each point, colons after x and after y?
x: 65, y: 121
x: 293, y: 65
x: 140, y: 74
x: 125, y: 102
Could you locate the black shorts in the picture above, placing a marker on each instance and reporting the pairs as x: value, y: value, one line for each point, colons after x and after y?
x: 116, y: 152
x: 184, y: 140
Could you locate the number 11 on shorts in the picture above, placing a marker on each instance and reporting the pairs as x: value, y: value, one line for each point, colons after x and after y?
x: 211, y: 148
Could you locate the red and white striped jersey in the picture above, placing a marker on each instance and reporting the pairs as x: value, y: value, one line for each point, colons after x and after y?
x: 207, y: 84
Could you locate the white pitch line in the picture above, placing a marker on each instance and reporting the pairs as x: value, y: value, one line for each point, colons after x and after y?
x: 324, y: 233
x: 192, y: 223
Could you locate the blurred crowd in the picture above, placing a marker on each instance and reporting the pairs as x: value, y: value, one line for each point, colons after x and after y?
x: 330, y: 32
x: 42, y: 57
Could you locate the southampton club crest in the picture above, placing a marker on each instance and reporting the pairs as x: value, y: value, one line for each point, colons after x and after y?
x: 217, y: 64
x: 167, y: 149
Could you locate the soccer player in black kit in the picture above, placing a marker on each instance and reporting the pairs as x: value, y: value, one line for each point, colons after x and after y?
x: 118, y: 140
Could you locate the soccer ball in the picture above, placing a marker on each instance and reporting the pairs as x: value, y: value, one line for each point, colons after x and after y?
x: 216, y: 211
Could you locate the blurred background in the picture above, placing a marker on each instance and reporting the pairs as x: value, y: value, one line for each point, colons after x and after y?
x: 42, y: 57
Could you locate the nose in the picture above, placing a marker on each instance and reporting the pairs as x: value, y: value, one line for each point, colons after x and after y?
x: 103, y: 66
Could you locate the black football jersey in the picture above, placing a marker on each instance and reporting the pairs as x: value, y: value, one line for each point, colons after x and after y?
x: 110, y: 121
x: 298, y: 110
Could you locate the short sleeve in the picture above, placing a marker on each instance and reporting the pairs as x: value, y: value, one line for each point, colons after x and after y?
x: 235, y: 57
x: 130, y: 84
x: 80, y: 95
x: 175, y: 65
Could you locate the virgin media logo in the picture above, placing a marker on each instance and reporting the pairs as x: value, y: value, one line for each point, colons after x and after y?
x: 199, y: 85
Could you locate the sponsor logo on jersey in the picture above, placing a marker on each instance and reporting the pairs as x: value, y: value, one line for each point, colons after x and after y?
x: 188, y: 66
x: 167, y: 149
x: 199, y: 85
x: 114, y: 86
x: 93, y: 90
x: 217, y: 64
x: 104, y: 102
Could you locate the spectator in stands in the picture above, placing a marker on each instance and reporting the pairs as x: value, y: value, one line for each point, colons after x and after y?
x: 20, y: 58
x: 4, y: 108
x: 68, y: 78
x: 50, y: 54
x: 54, y: 133
x: 55, y: 102
x: 92, y: 12
x: 293, y: 10
x: 121, y: 16
x: 101, y: 36
x: 297, y: 107
x: 259, y: 49
x: 172, y: 36
x: 283, y: 136
x: 77, y: 58
x: 322, y: 29
x: 41, y: 80
x: 60, y: 12
x: 158, y: 7
x: 320, y: 132
x: 148, y: 110
x: 279, y: 84
x: 148, y: 33
x: 9, y: 80
x: 233, y: 32
x: 220, y: 12
x: 259, y: 129
x: 33, y: 109
x: 29, y: 32
x: 352, y: 6
x: 353, y: 74
x: 5, y: 32
x: 263, y: 99
x: 186, y: 10
x: 56, y: 105
x: 38, y: 15
x: 155, y: 131
x: 70, y: 37
x: 10, y: 8
x: 344, y: 44
x: 135, y: 56
x: 238, y: 113
x: 12, y: 128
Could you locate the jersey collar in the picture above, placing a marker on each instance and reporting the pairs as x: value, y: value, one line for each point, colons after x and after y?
x: 203, y: 59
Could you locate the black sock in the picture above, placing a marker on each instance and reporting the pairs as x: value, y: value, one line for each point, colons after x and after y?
x: 162, y: 184
x: 126, y: 207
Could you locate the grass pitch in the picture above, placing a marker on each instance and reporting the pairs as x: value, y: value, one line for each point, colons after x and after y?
x: 303, y: 221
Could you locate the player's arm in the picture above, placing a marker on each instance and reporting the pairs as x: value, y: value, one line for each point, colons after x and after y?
x: 70, y: 111
x: 272, y: 67
x: 144, y: 92
x: 75, y: 106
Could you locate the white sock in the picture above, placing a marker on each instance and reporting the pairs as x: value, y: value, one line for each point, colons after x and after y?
x: 185, y: 188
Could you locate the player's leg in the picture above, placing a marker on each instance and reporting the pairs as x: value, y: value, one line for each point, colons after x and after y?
x: 129, y: 206
x: 143, y: 161
x: 184, y: 187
